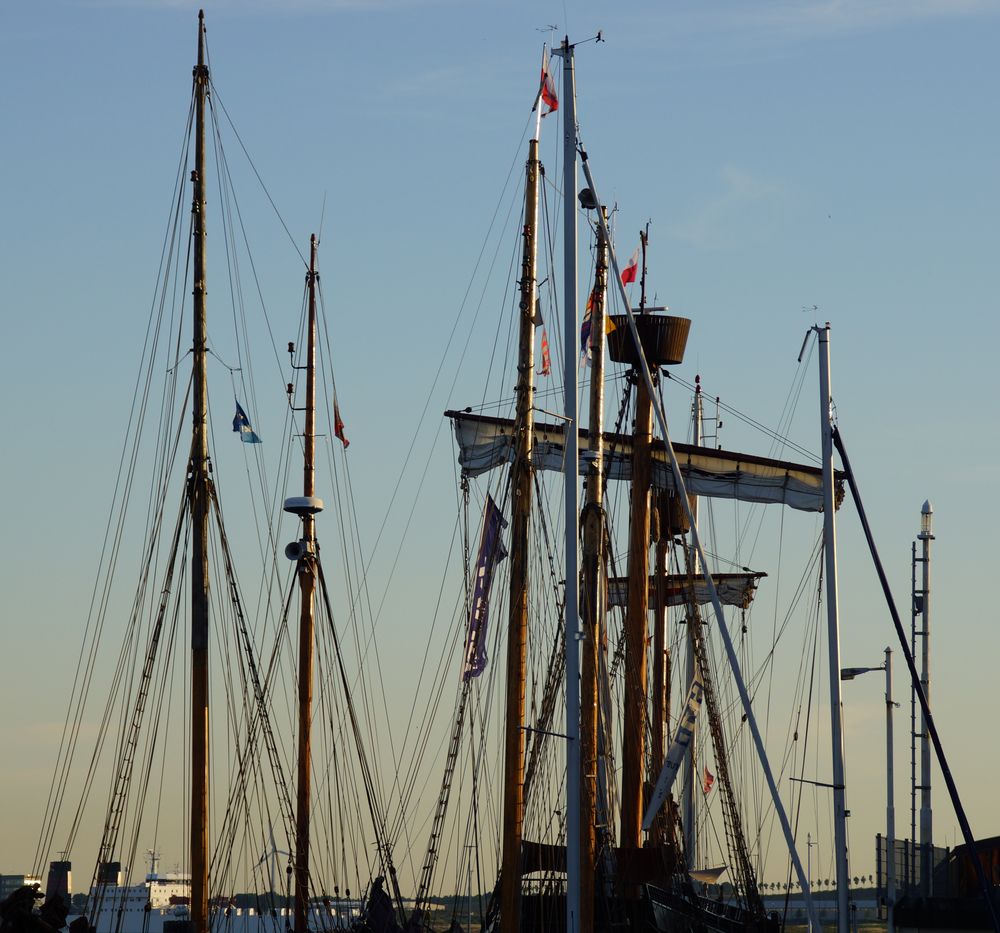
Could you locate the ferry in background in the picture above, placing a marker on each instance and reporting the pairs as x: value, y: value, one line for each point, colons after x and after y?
x: 163, y: 898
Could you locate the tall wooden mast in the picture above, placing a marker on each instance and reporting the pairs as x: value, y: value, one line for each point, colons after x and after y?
x: 307, y: 587
x: 659, y: 712
x: 592, y: 592
x: 198, y: 495
x: 513, y: 804
x: 689, y: 795
x: 634, y: 727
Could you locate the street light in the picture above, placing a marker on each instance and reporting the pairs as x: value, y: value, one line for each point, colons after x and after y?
x: 849, y: 673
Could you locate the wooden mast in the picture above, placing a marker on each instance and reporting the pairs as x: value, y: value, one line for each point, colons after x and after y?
x: 513, y: 805
x: 634, y: 726
x: 198, y: 495
x: 592, y: 594
x: 689, y: 795
x: 661, y: 658
x: 307, y: 586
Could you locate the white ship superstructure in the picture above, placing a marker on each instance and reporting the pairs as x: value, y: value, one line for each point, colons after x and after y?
x: 165, y: 896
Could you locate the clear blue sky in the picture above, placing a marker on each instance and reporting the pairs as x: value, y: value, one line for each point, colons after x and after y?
x: 789, y: 154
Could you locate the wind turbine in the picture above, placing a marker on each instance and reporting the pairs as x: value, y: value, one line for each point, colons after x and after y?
x: 271, y: 856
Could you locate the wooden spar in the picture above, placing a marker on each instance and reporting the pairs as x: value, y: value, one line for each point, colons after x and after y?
x: 634, y: 726
x: 592, y: 592
x: 198, y: 495
x: 307, y: 587
x: 521, y: 477
x: 661, y: 661
x: 689, y: 797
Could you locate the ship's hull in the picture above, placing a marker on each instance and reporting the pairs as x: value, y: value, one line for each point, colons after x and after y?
x: 655, y: 911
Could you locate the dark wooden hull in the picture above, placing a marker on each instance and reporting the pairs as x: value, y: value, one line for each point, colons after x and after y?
x: 655, y: 911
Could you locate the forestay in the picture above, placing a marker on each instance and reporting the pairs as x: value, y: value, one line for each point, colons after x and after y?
x: 486, y: 443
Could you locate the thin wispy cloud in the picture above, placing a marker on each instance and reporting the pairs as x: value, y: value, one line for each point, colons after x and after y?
x: 270, y: 6
x: 721, y: 221
x: 790, y: 20
x: 730, y: 31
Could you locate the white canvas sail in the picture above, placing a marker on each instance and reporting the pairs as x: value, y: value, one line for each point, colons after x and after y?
x: 486, y: 443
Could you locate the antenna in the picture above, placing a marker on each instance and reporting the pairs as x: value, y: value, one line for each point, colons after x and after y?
x: 322, y: 215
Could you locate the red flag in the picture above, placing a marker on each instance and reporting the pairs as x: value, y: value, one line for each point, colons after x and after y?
x: 546, y: 369
x: 338, y: 426
x: 632, y: 269
x: 547, y: 89
x: 707, y: 780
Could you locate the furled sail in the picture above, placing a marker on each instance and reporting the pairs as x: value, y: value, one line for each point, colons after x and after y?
x: 734, y: 589
x: 486, y: 443
x: 678, y: 749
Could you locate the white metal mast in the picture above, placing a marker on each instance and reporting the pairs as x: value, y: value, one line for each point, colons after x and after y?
x: 833, y: 632
x: 572, y: 504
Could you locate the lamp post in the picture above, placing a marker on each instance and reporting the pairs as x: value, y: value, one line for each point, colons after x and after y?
x: 849, y: 673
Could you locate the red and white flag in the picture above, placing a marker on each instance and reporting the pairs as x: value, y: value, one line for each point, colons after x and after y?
x: 708, y: 779
x: 632, y: 269
x: 338, y: 426
x: 547, y: 89
x: 546, y: 369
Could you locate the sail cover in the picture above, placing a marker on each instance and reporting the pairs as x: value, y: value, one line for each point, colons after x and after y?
x: 735, y: 589
x: 486, y: 443
x: 707, y: 875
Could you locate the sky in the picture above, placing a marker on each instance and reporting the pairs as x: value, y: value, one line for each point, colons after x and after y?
x: 789, y: 155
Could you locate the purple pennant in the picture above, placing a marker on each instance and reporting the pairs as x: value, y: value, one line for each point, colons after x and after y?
x: 491, y: 552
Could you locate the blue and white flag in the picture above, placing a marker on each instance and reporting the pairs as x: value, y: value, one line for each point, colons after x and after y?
x: 491, y: 552
x: 241, y: 423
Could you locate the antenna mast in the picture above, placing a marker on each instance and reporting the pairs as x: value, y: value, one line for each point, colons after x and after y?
x: 922, y: 598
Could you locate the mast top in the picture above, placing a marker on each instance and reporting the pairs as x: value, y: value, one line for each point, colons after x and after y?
x: 201, y: 42
x: 926, y: 522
